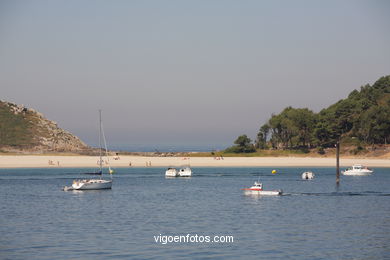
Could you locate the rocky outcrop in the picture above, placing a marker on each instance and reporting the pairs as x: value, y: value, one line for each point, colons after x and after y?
x: 37, y: 133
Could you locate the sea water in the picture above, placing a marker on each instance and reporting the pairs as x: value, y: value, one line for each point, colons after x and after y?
x: 313, y: 219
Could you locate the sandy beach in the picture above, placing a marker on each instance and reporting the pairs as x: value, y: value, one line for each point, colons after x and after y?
x: 42, y: 161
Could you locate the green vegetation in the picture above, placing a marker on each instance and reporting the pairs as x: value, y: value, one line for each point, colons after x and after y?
x: 361, y: 119
x: 257, y: 153
x: 243, y: 145
x: 25, y: 130
x: 15, y: 129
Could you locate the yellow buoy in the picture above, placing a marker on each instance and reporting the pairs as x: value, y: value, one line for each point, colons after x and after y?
x: 273, y: 171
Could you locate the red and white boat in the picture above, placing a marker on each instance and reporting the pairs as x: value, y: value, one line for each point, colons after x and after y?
x: 257, y: 189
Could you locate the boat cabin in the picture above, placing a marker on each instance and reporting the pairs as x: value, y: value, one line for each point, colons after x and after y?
x: 258, y: 185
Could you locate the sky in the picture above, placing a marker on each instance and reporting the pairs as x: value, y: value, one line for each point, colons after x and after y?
x: 186, y: 72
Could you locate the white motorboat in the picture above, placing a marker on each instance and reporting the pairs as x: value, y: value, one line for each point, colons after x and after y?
x: 257, y: 189
x: 171, y: 172
x: 307, y: 175
x: 95, y: 184
x: 185, y: 172
x: 357, y: 170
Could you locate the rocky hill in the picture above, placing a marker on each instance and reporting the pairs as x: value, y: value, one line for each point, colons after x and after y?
x: 23, y: 129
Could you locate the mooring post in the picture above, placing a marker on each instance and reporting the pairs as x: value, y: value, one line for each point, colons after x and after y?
x: 338, y: 162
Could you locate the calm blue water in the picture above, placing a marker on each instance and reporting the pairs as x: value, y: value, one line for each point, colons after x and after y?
x: 314, y: 220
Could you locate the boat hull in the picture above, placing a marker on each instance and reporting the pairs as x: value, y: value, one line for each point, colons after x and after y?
x: 357, y: 173
x: 92, y: 185
x: 171, y: 173
x: 263, y: 192
x: 185, y: 172
x: 171, y: 176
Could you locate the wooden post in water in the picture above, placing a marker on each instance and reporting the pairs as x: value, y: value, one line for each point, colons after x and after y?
x: 338, y: 162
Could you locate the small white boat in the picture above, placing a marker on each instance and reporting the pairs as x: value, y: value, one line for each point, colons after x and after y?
x: 307, y: 175
x: 185, y: 172
x: 95, y: 184
x: 357, y: 170
x: 171, y: 172
x: 257, y: 189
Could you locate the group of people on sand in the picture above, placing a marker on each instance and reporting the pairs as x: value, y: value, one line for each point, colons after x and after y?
x: 147, y: 164
x: 103, y: 162
x: 51, y: 162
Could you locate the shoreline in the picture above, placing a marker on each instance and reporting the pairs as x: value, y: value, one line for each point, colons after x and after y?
x: 58, y: 161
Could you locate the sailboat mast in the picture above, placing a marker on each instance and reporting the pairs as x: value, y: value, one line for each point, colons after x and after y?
x: 100, y: 141
x: 110, y: 171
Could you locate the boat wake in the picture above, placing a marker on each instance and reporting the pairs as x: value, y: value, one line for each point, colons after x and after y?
x: 338, y: 194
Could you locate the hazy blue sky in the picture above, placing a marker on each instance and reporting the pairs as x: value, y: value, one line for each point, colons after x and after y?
x: 186, y: 72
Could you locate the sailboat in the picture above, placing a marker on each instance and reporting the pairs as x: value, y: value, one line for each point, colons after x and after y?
x: 95, y: 184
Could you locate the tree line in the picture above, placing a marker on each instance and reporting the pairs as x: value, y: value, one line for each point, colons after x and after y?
x: 364, y: 115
